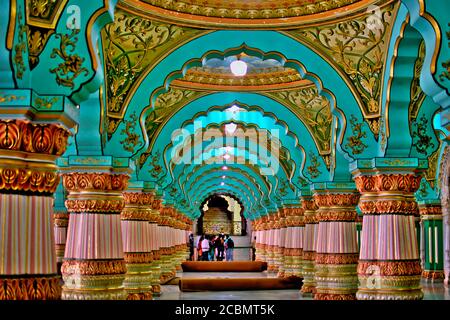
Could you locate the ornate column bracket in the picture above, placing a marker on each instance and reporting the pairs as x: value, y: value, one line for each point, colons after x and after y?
x: 337, y: 249
x: 94, y: 265
x: 389, y: 268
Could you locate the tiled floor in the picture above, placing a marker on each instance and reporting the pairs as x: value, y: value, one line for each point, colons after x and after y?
x: 171, y: 292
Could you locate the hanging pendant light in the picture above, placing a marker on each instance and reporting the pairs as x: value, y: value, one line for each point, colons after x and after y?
x: 238, y: 67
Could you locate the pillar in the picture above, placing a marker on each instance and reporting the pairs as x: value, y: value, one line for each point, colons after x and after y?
x: 432, y: 241
x: 294, y: 242
x: 277, y: 243
x: 136, y: 238
x: 282, y: 242
x: 60, y: 223
x: 270, y: 241
x: 389, y: 265
x: 28, y: 179
x: 309, y: 245
x: 155, y: 246
x: 337, y: 251
x: 261, y: 246
x: 94, y: 266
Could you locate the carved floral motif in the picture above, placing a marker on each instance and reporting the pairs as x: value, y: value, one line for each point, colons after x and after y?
x: 408, y: 183
x: 39, y: 288
x: 21, y: 135
x: 75, y: 182
x: 390, y: 268
x: 93, y: 267
x: 93, y: 205
x: 358, y: 47
x: 72, y: 66
x: 355, y: 142
x: 255, y: 9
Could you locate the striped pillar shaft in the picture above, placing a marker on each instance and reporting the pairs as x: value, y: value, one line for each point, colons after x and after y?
x: 258, y: 241
x: 432, y: 235
x: 277, y: 243
x: 288, y: 245
x: 61, y: 221
x: 154, y: 245
x: 282, y: 242
x: 337, y: 248
x: 359, y: 220
x: 389, y: 265
x: 94, y: 266
x: 297, y: 226
x: 28, y: 179
x: 309, y: 246
x: 270, y: 248
x: 136, y: 239
x: 263, y: 239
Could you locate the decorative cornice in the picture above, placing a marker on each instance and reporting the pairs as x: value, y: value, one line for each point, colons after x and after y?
x: 93, y: 267
x: 95, y: 205
x: 25, y: 136
x: 390, y: 268
x: 77, y: 182
x: 32, y: 288
x: 407, y: 183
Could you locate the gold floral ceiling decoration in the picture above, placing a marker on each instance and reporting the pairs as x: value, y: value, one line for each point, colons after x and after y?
x: 260, y: 14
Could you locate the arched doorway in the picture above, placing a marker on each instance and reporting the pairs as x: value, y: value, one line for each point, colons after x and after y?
x: 222, y: 213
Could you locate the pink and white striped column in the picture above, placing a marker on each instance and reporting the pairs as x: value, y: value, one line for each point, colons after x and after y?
x: 28, y: 180
x: 94, y: 265
x: 389, y: 263
x: 337, y: 251
x: 282, y: 242
x: 309, y: 245
x: 155, y: 244
x: 294, y: 242
x: 136, y: 238
x: 270, y: 243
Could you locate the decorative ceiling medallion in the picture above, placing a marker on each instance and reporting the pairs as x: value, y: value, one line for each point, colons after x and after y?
x: 253, y: 14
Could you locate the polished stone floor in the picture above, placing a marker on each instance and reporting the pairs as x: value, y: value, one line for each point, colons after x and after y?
x: 435, y: 291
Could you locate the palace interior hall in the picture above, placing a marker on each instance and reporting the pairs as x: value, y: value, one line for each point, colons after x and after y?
x: 224, y: 150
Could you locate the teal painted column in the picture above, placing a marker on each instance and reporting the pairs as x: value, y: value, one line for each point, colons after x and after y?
x: 432, y: 241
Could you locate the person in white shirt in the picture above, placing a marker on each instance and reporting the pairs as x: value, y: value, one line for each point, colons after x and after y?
x: 205, y: 249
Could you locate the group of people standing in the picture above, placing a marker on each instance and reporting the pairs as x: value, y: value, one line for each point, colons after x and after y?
x: 220, y: 246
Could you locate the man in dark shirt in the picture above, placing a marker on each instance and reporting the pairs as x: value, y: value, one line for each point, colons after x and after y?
x: 219, y: 244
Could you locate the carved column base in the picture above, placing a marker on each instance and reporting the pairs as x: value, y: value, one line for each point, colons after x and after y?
x: 288, y: 263
x: 156, y: 275
x: 308, y: 273
x: 93, y: 280
x: 138, y: 280
x: 433, y: 275
x: 33, y: 288
x: 270, y: 258
x: 297, y: 262
x: 389, y: 280
x: 278, y: 259
x: 336, y: 277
